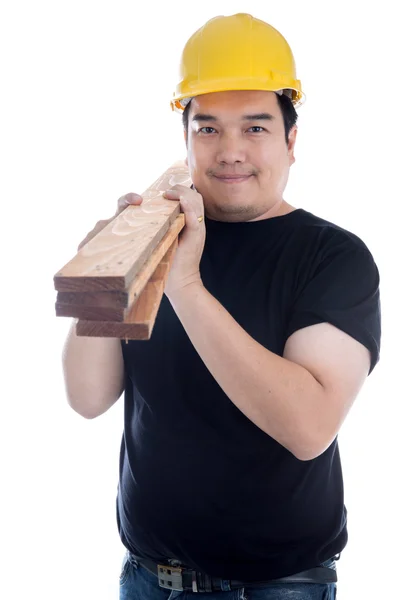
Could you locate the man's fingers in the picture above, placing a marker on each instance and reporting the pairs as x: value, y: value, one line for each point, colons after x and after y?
x: 133, y: 198
x: 190, y: 201
x: 128, y: 199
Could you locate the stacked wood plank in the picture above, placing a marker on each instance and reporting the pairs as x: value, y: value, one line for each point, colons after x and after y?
x: 115, y: 283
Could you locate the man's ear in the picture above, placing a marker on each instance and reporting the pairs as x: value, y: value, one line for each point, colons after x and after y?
x: 185, y: 138
x: 291, y: 144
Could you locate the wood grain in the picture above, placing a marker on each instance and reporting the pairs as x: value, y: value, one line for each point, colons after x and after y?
x: 140, y: 321
x: 90, y: 313
x: 93, y: 299
x: 112, y: 259
x: 79, y: 307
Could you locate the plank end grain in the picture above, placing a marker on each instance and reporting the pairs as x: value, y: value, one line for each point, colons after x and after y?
x: 115, y: 306
x: 140, y: 320
x: 90, y: 313
x: 98, y: 299
x: 139, y: 331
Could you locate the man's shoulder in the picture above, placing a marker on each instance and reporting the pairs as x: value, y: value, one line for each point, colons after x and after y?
x: 330, y: 234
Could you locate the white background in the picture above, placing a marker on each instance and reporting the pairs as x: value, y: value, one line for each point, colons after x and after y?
x: 85, y: 118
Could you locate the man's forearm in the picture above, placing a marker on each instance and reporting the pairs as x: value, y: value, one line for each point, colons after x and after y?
x: 93, y: 373
x: 281, y: 397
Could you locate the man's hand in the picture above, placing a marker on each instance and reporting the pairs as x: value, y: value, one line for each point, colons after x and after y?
x: 123, y: 202
x: 185, y: 268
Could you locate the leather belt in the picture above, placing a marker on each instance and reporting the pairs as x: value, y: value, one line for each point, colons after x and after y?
x: 181, y: 579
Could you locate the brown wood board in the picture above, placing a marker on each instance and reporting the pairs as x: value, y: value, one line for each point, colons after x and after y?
x: 90, y: 313
x: 110, y: 264
x: 78, y: 307
x: 141, y: 319
x: 93, y: 299
x: 112, y: 259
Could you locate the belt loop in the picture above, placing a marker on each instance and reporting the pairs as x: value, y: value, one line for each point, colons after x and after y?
x: 194, y: 582
x: 208, y: 583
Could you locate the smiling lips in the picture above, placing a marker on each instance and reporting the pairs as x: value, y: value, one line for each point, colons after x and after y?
x: 232, y: 178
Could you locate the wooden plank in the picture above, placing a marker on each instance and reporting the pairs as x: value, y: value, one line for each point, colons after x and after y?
x: 111, y: 264
x: 90, y: 313
x: 141, y: 318
x: 94, y: 299
x: 112, y: 259
x: 98, y: 312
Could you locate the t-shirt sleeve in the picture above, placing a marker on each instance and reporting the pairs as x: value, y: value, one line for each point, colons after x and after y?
x: 342, y: 289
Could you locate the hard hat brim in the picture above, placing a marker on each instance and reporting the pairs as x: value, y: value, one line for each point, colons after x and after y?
x: 182, y: 92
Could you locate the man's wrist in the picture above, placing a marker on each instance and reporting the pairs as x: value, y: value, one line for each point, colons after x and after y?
x: 187, y: 289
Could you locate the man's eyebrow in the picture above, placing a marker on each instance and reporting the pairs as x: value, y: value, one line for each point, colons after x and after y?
x: 199, y: 117
x: 259, y: 117
x: 203, y: 117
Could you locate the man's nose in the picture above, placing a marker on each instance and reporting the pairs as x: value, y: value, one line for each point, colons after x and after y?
x: 230, y: 150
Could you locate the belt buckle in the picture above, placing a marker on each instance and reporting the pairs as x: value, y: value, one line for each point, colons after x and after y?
x: 170, y: 577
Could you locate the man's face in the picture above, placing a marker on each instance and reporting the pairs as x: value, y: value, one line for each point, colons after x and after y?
x: 238, y: 157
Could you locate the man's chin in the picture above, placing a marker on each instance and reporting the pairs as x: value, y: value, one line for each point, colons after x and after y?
x: 234, y: 213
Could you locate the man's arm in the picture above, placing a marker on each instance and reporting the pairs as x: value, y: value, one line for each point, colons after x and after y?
x: 300, y: 399
x: 93, y: 373
x: 94, y: 367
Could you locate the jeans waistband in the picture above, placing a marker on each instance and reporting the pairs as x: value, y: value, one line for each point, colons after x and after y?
x: 180, y: 578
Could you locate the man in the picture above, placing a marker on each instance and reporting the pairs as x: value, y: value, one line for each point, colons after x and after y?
x: 230, y: 474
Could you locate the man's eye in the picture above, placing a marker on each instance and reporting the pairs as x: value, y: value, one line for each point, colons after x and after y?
x: 206, y: 130
x: 259, y: 129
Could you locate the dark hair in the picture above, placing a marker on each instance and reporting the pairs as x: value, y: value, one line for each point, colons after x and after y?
x: 289, y: 114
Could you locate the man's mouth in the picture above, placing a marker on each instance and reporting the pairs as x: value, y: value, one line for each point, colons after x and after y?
x: 232, y: 178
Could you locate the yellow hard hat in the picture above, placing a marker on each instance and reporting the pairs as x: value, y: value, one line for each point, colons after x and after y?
x: 238, y: 52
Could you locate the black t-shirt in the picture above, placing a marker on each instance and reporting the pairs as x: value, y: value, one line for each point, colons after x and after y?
x: 201, y: 483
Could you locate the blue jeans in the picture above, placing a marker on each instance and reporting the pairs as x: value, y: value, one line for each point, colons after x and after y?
x: 136, y: 583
